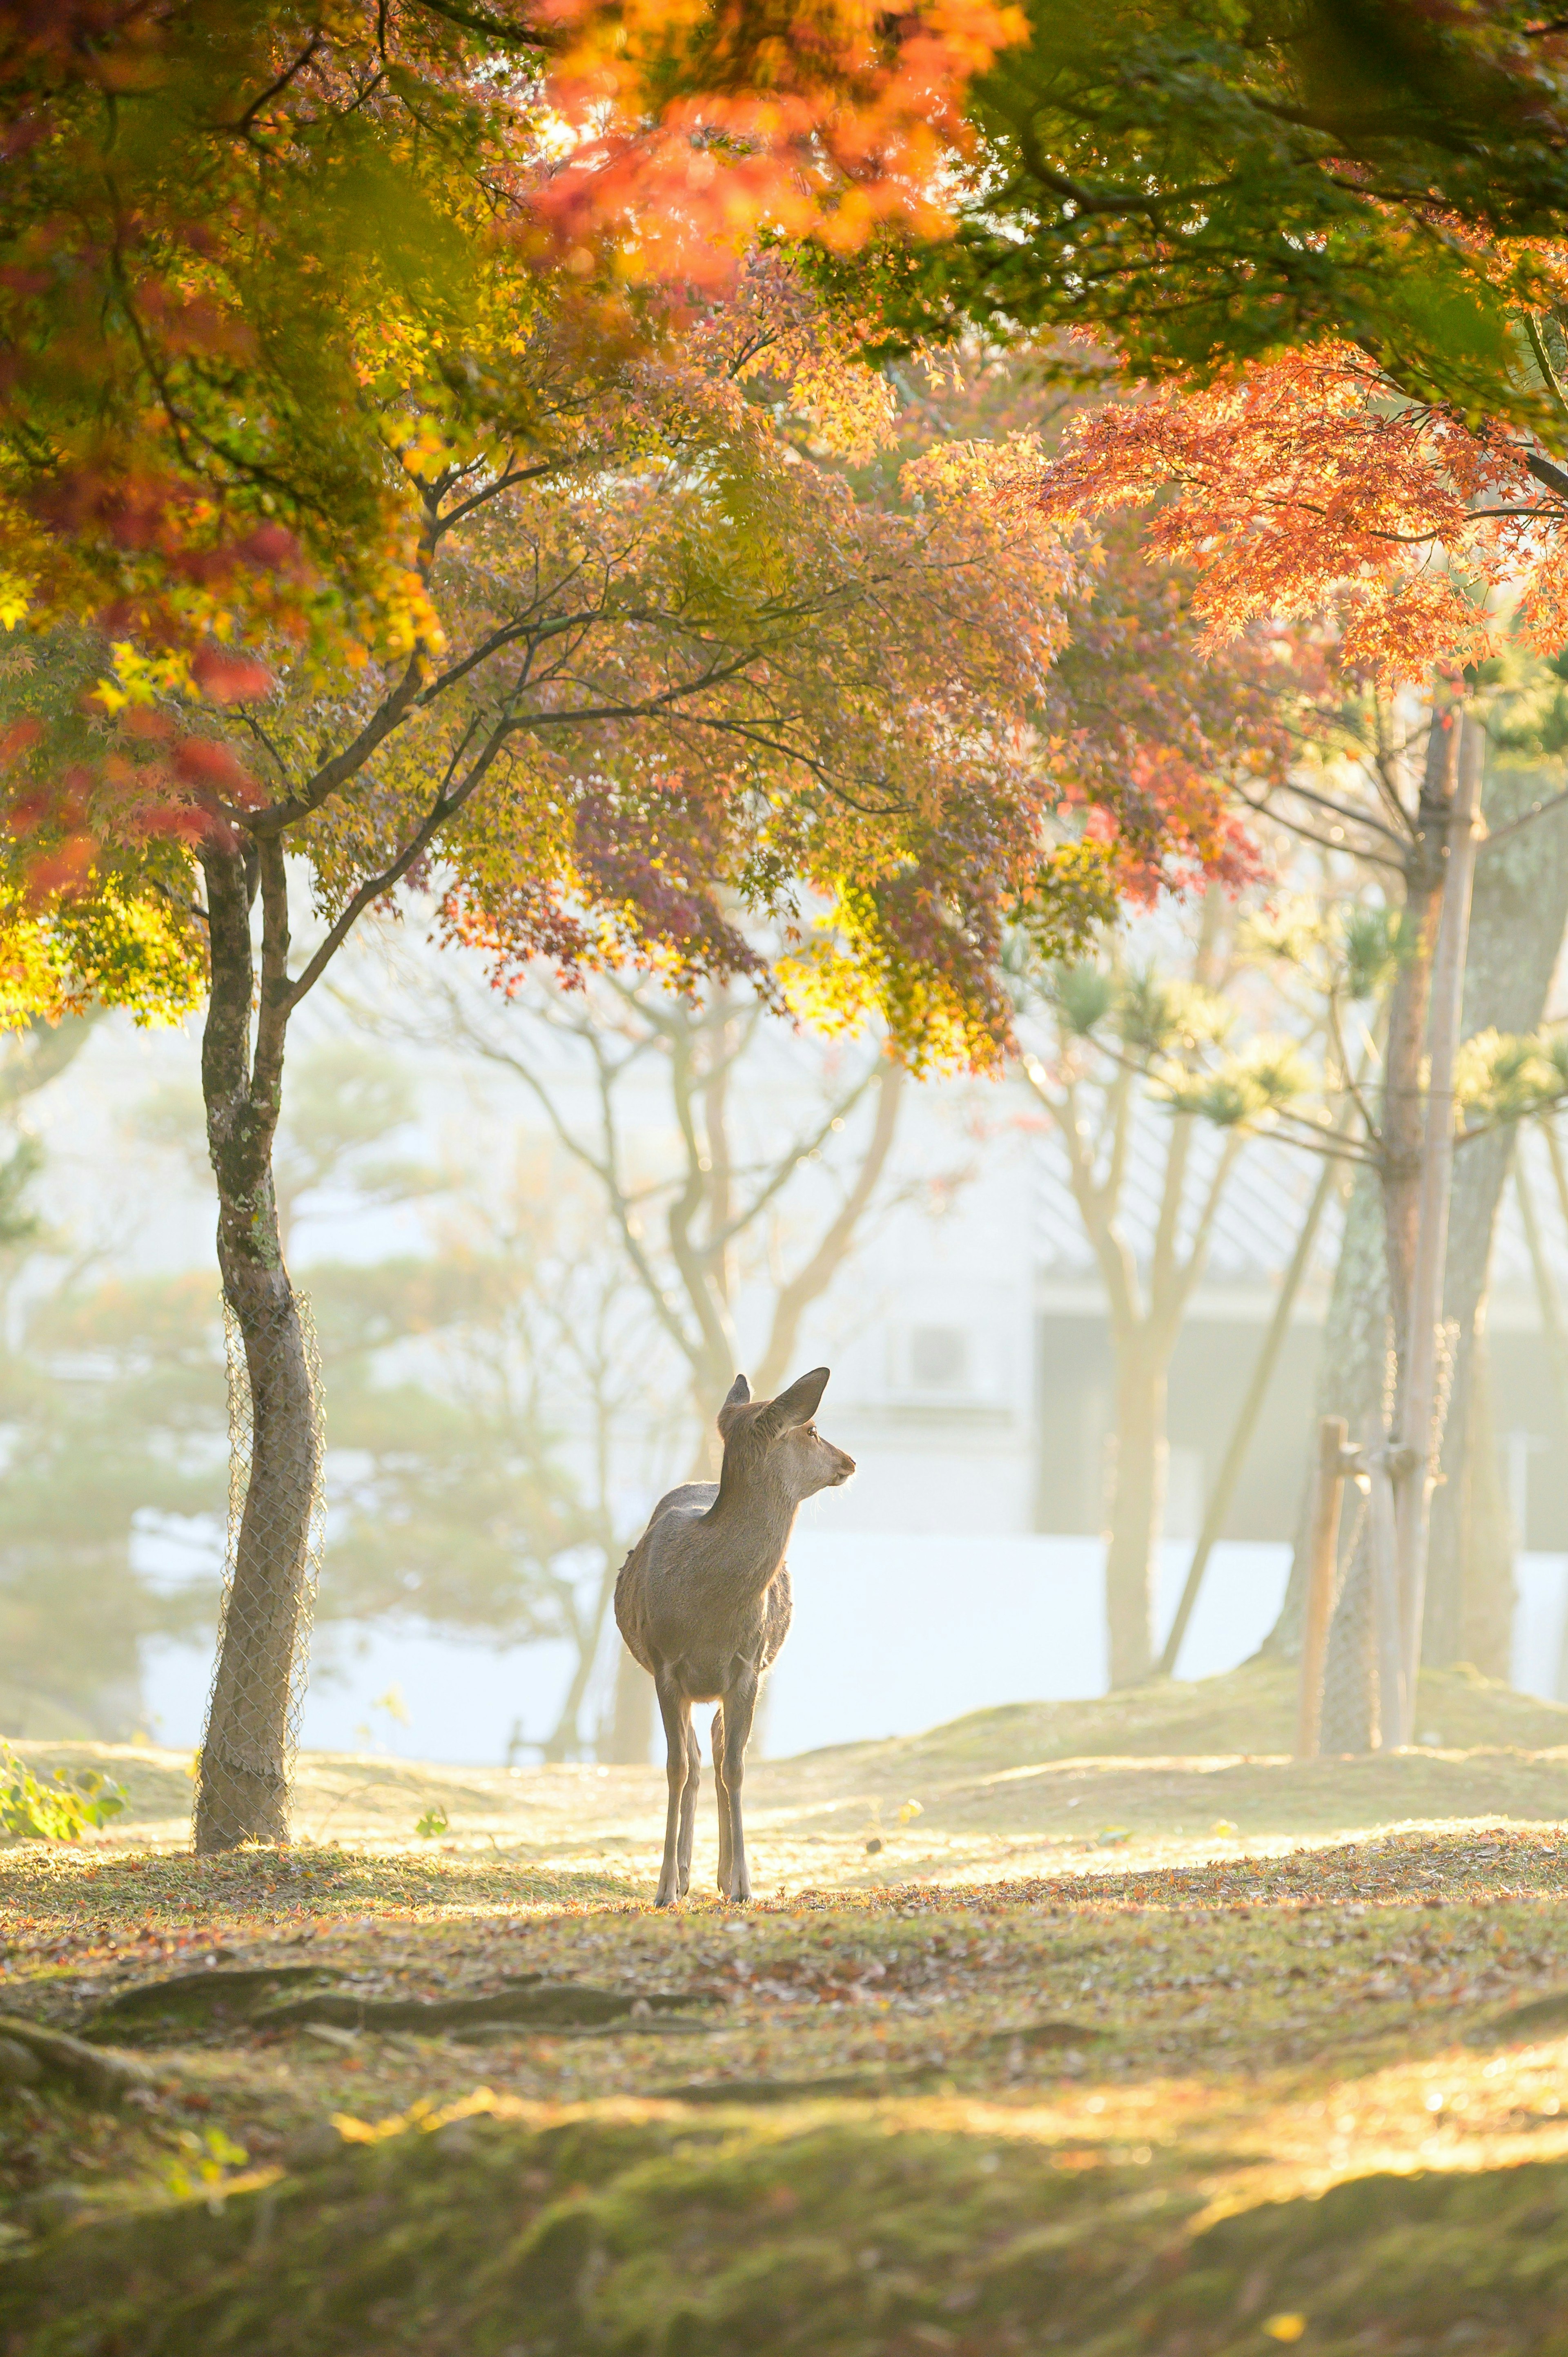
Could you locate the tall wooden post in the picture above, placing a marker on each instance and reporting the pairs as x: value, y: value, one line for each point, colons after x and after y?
x: 1333, y: 1461
x: 1382, y: 1553
x: 1413, y: 1467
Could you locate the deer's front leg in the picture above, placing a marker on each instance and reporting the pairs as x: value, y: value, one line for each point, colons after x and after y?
x: 739, y: 1703
x: 688, y: 1809
x: 676, y: 1713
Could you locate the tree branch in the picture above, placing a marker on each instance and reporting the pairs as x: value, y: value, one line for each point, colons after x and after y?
x: 795, y: 1298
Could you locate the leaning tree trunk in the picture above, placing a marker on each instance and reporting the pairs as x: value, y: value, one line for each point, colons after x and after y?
x: 1352, y: 1376
x: 1358, y: 1371
x: 242, y: 1786
x: 1403, y: 1110
x: 1364, y: 1347
x: 1369, y: 1309
x: 565, y: 1737
x: 1517, y: 920
x: 630, y: 1734
x: 1137, y: 1510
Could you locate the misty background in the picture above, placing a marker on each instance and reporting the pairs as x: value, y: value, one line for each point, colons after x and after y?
x: 477, y: 1196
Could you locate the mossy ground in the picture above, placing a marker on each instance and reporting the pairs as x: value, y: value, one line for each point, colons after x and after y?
x: 1037, y: 2082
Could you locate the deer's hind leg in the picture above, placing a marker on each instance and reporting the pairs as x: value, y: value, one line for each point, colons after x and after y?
x: 676, y: 1712
x: 688, y: 1809
x: 717, y: 1739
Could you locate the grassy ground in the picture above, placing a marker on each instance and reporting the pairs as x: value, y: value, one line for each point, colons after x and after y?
x: 1136, y: 2036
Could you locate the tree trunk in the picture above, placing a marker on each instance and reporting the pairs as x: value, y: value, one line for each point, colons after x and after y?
x: 1516, y: 923
x: 1414, y: 1461
x: 1403, y: 1110
x: 812, y: 1280
x: 1137, y: 1511
x: 242, y: 1790
x: 1369, y: 1304
x: 565, y: 1738
x: 631, y: 1725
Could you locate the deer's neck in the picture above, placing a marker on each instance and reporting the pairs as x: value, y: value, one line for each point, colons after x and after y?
x: 756, y: 1518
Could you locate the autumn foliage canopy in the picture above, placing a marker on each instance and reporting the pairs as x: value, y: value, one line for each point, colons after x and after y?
x: 1308, y: 486
x: 408, y: 458
x: 256, y: 257
x: 1198, y: 182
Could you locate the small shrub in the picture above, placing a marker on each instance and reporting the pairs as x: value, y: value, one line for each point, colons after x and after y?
x: 63, y: 1809
x: 205, y: 2169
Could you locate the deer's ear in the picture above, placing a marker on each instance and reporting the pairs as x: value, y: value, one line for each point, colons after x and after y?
x: 800, y: 1403
x: 738, y: 1396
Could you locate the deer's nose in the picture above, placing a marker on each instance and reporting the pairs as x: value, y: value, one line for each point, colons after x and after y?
x: 847, y: 1467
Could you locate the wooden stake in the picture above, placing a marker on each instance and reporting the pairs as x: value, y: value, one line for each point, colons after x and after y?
x: 1382, y: 1541
x: 1334, y: 1460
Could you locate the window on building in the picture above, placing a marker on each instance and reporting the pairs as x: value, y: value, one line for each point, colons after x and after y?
x: 938, y: 1358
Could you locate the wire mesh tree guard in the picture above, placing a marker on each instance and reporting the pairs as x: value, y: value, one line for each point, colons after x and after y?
x: 272, y: 1565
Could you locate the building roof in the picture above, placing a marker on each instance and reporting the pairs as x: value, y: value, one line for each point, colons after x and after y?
x: 1255, y: 1229
x: 1264, y: 1201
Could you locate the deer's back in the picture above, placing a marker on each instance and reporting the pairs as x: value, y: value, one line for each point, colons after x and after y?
x: 639, y: 1574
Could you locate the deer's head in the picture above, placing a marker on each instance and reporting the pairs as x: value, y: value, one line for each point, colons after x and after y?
x: 778, y: 1439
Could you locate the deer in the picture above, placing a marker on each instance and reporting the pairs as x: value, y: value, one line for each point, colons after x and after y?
x: 704, y: 1603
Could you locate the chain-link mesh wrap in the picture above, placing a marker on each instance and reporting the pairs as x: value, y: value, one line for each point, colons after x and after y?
x: 1442, y: 1386
x: 272, y: 1564
x: 1350, y: 1717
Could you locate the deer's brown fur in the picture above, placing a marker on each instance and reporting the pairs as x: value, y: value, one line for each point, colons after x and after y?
x: 703, y: 1601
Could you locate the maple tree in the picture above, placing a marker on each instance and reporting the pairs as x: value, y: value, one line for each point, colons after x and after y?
x: 334, y: 360
x: 259, y: 261
x: 1309, y: 486
x: 1147, y: 722
x: 248, y: 247
x: 1199, y: 182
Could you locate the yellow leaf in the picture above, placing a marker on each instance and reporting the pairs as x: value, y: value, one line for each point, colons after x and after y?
x: 1284, y: 2328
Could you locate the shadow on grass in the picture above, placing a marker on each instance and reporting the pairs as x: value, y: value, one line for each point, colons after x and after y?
x: 647, y: 2231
